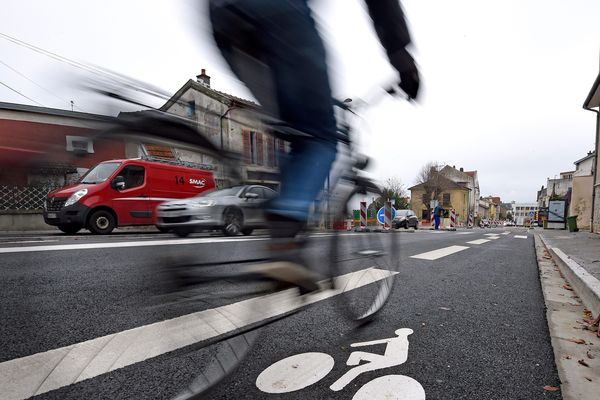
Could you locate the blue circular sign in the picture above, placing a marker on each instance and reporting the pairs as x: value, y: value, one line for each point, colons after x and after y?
x: 381, y: 215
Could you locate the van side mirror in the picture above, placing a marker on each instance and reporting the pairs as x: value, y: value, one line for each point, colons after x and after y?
x: 118, y: 183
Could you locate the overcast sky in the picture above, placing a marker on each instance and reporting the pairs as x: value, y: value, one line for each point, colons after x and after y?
x: 504, y: 81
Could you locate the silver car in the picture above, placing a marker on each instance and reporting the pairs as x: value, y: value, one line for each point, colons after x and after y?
x: 233, y: 210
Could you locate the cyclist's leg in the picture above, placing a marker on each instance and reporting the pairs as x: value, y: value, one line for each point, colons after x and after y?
x: 282, y: 61
x: 275, y: 49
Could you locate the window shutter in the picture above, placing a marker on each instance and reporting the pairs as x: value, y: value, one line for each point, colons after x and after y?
x: 259, y: 149
x: 246, y: 144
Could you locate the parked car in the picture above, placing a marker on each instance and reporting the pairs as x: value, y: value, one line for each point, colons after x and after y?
x: 233, y: 210
x: 405, y: 219
x: 123, y: 192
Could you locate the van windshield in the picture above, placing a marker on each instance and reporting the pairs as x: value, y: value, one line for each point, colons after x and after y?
x: 100, y: 173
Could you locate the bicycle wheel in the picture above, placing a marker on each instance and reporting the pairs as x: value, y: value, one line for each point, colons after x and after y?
x: 364, y: 264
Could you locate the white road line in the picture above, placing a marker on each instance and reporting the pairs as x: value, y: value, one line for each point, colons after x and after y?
x: 439, y: 253
x: 39, y: 373
x: 493, y: 237
x: 491, y: 234
x: 520, y: 237
x: 465, y: 233
x: 29, y: 241
x: 478, y: 241
x: 85, y: 246
x: 506, y: 233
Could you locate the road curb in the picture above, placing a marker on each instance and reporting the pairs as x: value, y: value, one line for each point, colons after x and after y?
x: 576, y: 349
x: 585, y: 285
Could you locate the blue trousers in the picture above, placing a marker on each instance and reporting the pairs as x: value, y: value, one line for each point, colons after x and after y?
x: 275, y: 49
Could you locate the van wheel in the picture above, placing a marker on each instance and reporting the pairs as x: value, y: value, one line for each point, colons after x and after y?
x: 183, y: 232
x: 102, y: 222
x: 232, y: 222
x: 247, y: 231
x: 69, y: 229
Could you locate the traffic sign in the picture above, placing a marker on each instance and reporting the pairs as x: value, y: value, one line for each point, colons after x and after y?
x: 531, y: 214
x: 381, y: 215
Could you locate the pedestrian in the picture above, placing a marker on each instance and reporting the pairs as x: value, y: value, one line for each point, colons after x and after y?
x: 437, y: 213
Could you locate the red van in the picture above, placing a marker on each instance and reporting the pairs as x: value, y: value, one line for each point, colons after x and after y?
x: 123, y: 192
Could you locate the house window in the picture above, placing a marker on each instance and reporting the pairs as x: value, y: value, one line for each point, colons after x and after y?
x: 191, y: 109
x: 446, y: 199
x: 79, y: 144
x: 253, y: 147
x: 273, y: 151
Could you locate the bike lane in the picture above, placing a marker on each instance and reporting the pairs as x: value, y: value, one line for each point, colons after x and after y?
x: 478, y: 331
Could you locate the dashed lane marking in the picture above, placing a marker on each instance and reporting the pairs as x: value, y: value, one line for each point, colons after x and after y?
x: 478, y: 241
x: 28, y: 376
x: 439, y: 253
x: 520, y: 237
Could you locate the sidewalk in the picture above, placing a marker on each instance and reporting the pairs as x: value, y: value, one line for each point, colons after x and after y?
x: 578, y: 256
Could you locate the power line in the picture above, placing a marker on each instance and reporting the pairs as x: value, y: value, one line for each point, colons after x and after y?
x: 16, y: 91
x: 99, y: 71
x: 35, y: 83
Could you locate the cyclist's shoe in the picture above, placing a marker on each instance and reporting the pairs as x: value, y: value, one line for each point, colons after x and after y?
x: 289, y: 274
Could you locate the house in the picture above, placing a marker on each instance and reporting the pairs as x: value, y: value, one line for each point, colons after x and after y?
x: 44, y: 146
x: 230, y: 123
x: 467, y: 179
x: 557, y: 188
x: 450, y: 195
x: 592, y: 103
x: 582, y: 191
x: 494, y: 207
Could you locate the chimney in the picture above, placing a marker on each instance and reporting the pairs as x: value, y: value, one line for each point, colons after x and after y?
x: 203, y: 79
x: 461, y: 169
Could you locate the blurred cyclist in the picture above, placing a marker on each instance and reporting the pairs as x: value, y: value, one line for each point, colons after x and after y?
x: 274, y: 48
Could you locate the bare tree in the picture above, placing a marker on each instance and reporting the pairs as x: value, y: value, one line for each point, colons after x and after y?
x: 432, y: 181
x: 395, y: 191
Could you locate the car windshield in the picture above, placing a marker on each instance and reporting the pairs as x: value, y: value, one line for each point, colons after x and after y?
x: 402, y: 213
x: 232, y: 191
x: 100, y: 173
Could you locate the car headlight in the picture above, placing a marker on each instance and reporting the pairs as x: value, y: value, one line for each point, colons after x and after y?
x: 202, y: 204
x: 75, y: 197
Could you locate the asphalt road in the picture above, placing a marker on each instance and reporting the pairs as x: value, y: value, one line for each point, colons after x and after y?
x: 477, y: 316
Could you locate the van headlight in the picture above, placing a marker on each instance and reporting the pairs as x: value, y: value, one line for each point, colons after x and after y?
x: 75, y: 197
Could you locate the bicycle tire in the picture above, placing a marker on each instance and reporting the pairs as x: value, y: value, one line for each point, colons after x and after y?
x: 369, y: 260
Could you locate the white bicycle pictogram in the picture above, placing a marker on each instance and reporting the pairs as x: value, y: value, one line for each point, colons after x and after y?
x: 302, y: 370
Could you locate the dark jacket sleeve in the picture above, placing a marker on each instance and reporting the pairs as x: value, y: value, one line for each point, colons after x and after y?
x: 389, y: 23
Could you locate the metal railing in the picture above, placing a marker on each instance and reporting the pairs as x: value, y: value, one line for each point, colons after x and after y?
x: 23, y: 197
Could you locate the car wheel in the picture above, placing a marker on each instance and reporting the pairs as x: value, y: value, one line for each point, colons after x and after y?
x: 69, y: 229
x: 247, y: 231
x: 163, y: 230
x: 183, y: 232
x: 406, y: 225
x: 232, y: 222
x: 102, y: 222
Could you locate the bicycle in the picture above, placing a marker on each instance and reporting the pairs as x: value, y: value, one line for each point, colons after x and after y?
x: 359, y: 271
